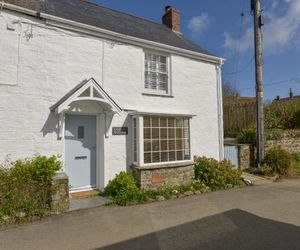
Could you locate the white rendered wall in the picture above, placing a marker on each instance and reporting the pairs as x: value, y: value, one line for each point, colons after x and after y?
x: 44, y: 63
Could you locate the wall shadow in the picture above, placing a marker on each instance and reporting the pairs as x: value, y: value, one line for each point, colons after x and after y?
x: 234, y: 229
x: 51, y: 125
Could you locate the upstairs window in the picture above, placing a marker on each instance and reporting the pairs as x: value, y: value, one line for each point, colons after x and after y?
x: 156, y: 73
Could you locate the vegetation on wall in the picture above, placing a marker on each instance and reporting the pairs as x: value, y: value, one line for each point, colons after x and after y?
x: 283, y: 114
x: 26, y: 188
x: 209, y: 175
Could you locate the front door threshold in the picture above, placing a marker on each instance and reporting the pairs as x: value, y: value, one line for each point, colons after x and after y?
x: 84, y: 193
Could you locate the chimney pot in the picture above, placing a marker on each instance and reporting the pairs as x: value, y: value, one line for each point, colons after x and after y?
x: 171, y: 18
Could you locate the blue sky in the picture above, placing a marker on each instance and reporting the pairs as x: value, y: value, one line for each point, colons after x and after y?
x: 218, y: 26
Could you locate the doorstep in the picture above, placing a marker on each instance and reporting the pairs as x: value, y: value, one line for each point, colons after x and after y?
x: 256, y: 180
x: 87, y: 202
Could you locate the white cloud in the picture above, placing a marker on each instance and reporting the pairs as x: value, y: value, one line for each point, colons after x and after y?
x: 279, y: 32
x: 199, y: 23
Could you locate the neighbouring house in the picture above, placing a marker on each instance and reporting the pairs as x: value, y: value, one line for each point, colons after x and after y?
x: 106, y: 91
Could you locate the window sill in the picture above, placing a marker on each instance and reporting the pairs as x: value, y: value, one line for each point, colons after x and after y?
x: 158, y: 95
x: 164, y: 165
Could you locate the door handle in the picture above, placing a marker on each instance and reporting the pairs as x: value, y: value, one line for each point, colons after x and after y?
x: 80, y: 157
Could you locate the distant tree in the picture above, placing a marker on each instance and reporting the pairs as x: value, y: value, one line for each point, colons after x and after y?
x: 228, y: 90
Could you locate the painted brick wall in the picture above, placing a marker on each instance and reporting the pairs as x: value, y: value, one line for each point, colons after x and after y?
x: 40, y: 64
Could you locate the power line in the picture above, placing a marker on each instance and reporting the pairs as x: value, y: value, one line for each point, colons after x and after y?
x: 242, y: 69
x: 295, y: 80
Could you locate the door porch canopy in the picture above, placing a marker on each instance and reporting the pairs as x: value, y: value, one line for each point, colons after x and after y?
x: 87, y: 90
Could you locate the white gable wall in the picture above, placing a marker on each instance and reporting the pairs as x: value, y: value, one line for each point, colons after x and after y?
x: 50, y: 62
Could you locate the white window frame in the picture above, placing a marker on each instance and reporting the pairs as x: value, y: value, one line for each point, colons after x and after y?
x: 167, y: 92
x: 140, y: 143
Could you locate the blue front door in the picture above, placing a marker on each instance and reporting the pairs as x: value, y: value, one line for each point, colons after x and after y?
x: 80, y: 151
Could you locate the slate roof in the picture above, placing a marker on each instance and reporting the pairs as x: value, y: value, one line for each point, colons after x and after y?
x: 109, y: 19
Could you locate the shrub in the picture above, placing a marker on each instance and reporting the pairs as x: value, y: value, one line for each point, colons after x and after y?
x: 296, y: 156
x: 25, y: 188
x: 123, y: 182
x: 279, y: 160
x: 273, y: 134
x: 247, y: 135
x: 215, y: 174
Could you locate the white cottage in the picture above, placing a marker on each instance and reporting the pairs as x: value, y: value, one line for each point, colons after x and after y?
x: 106, y: 91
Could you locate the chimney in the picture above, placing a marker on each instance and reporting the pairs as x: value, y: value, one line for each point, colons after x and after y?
x: 171, y: 18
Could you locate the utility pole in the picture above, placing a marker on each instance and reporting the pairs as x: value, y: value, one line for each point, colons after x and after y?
x: 258, y: 23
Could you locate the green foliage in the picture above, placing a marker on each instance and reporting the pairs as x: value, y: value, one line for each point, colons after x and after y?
x: 283, y: 114
x: 25, y: 188
x: 273, y: 134
x: 248, y: 135
x: 296, y: 156
x: 123, y: 182
x: 215, y: 174
x: 279, y: 160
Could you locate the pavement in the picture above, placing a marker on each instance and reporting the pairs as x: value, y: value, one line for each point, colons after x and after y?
x: 258, y: 217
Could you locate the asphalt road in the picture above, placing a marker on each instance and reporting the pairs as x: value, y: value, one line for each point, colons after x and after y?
x: 262, y: 217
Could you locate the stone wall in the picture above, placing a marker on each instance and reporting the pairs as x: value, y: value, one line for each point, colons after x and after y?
x: 164, y: 176
x: 290, y: 141
x: 246, y: 154
x: 60, y: 198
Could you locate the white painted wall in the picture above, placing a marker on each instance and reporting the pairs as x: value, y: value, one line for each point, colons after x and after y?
x: 40, y: 64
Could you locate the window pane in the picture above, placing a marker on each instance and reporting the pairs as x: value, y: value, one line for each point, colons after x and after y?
x: 147, y: 158
x: 179, y: 133
x: 171, y: 122
x: 171, y: 144
x: 163, y: 122
x: 163, y: 133
x: 163, y: 59
x: 147, y: 121
x: 171, y: 132
x: 186, y: 132
x: 156, y: 157
x: 187, y: 155
x: 147, y: 146
x: 155, y: 122
x: 155, y: 133
x: 186, y: 122
x: 147, y: 133
x: 179, y: 122
x: 162, y: 67
x: 179, y: 144
x: 164, y: 145
x: 80, y: 134
x: 179, y: 155
x: 155, y: 145
x: 164, y: 156
x: 172, y: 156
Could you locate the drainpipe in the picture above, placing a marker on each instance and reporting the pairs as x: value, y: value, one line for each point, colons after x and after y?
x: 220, y: 110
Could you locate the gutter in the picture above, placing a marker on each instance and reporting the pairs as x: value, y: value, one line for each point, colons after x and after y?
x: 99, y: 32
x: 18, y: 9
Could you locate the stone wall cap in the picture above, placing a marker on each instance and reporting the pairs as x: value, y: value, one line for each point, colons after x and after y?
x: 165, y: 165
x: 60, y: 175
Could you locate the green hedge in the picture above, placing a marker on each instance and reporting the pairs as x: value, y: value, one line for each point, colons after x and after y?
x: 26, y: 189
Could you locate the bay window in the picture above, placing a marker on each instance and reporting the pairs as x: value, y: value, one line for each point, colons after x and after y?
x: 163, y: 139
